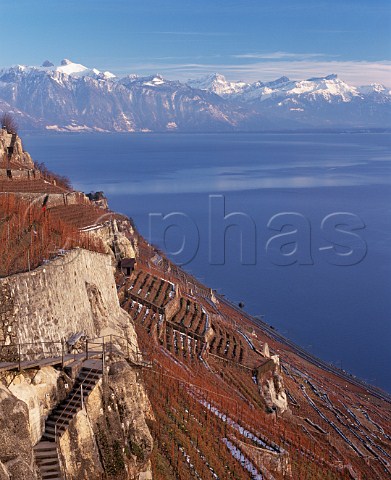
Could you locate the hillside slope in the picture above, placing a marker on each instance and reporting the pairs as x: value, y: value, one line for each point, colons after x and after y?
x: 233, y: 399
x: 230, y: 397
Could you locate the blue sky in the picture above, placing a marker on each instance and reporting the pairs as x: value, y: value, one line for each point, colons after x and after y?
x: 243, y: 39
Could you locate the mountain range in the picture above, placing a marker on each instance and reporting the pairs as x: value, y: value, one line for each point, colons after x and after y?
x: 72, y: 97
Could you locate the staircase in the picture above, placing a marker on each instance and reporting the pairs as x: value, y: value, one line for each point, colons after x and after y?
x: 46, y: 457
x: 58, y: 421
x: 60, y: 418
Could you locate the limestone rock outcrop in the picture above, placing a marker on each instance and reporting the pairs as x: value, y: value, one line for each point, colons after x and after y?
x: 19, y: 156
x: 111, y: 434
x: 271, y: 385
x: 79, y: 450
x: 16, y: 448
x: 39, y: 390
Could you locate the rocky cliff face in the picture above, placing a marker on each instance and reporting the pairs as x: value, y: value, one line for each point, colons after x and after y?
x: 16, y: 453
x: 17, y: 155
x: 74, y: 293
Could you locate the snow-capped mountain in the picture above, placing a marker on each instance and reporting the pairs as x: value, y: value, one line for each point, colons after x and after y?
x: 329, y: 88
x: 66, y: 67
x: 317, y: 102
x: 218, y: 84
x: 72, y: 97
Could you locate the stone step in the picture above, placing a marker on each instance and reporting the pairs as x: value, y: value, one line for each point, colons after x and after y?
x: 87, y: 385
x: 46, y: 457
x: 86, y: 388
x: 90, y: 373
x: 50, y: 424
x: 50, y: 475
x: 68, y: 415
x: 62, y: 417
x: 50, y: 435
x: 69, y: 404
x: 67, y: 407
x: 66, y: 412
x: 48, y: 468
x: 88, y: 381
x: 51, y: 461
x: 44, y: 446
x: 52, y: 428
x: 45, y: 454
x: 62, y: 406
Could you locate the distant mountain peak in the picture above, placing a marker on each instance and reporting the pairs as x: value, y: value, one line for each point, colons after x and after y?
x: 47, y: 64
x: 278, y: 81
x: 216, y: 76
x: 332, y: 76
x: 66, y: 61
x: 217, y: 83
x: 69, y: 68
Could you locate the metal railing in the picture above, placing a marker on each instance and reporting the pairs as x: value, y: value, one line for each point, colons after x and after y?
x: 107, y: 344
x: 17, y: 353
x: 14, y: 355
x: 61, y: 421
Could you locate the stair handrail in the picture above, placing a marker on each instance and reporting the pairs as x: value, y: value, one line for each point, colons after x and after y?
x: 61, y: 421
x: 60, y: 461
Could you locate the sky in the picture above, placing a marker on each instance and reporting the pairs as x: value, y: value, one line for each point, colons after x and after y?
x: 245, y: 40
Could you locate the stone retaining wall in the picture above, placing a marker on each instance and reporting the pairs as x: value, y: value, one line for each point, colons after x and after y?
x: 74, y: 293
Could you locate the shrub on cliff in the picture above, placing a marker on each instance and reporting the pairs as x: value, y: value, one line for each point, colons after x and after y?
x: 60, y: 180
x: 9, y: 123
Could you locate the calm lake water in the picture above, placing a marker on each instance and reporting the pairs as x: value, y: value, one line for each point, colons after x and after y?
x: 340, y: 313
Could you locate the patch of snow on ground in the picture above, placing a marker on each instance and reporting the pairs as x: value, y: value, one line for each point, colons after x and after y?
x: 244, y: 461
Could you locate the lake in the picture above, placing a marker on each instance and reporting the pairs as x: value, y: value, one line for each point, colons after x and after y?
x: 306, y: 185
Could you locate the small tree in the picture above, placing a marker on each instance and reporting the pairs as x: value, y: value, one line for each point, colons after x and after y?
x: 60, y: 180
x: 9, y: 123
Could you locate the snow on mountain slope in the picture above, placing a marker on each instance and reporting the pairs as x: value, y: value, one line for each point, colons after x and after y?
x: 374, y: 88
x: 218, y: 84
x: 66, y: 67
x: 73, y: 97
x: 329, y: 88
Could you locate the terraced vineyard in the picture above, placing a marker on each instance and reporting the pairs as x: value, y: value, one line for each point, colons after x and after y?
x: 29, y: 236
x: 231, y: 401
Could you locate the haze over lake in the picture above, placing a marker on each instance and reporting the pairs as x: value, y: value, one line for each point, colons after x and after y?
x: 340, y: 313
